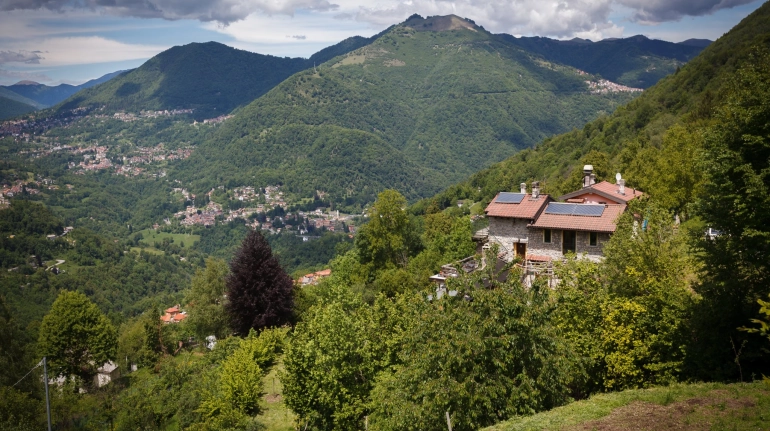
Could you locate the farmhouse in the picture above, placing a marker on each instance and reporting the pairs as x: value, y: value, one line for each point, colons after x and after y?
x: 537, y: 228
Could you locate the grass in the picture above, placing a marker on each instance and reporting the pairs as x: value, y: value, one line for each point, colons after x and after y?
x: 151, y: 250
x: 152, y: 238
x: 716, y: 406
x: 275, y: 415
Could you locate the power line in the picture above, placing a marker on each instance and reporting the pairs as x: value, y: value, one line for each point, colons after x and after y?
x: 30, y: 371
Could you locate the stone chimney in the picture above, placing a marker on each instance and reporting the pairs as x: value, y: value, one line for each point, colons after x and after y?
x: 535, y: 189
x: 523, y: 187
x: 622, y: 186
x: 593, y: 179
x: 588, y: 170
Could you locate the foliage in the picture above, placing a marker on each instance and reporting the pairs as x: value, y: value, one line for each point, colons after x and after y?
x: 483, y: 360
x: 19, y: 411
x: 389, y: 238
x: 206, y: 300
x: 259, y: 292
x: 736, y: 201
x: 76, y: 337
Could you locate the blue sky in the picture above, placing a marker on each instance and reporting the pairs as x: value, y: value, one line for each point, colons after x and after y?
x: 66, y: 41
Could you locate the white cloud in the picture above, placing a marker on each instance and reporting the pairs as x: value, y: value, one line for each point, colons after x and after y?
x: 657, y: 11
x: 64, y: 51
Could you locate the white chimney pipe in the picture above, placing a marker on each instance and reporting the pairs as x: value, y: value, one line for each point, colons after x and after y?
x: 587, y: 171
x: 622, y: 186
x: 523, y: 187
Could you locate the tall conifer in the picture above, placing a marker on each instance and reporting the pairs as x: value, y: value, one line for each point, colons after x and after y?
x: 259, y: 291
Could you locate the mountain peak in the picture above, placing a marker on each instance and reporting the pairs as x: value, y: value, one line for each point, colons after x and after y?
x: 27, y: 83
x: 440, y: 23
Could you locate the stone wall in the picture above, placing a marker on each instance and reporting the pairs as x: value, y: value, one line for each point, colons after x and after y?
x: 507, y: 232
x: 554, y: 248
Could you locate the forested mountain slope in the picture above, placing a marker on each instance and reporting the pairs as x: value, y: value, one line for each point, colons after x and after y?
x: 633, y: 139
x: 439, y: 96
x: 10, y: 108
x: 635, y: 61
x: 210, y: 78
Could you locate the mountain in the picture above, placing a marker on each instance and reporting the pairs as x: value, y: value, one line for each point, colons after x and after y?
x: 650, y: 140
x: 10, y: 108
x: 634, y: 61
x: 440, y: 96
x: 45, y: 95
x: 210, y: 78
x: 8, y: 94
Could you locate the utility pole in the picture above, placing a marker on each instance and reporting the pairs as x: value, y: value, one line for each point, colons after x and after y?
x: 47, y: 399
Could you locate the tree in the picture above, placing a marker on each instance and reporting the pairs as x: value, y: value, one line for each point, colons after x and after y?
x: 76, y: 337
x: 259, y: 292
x: 206, y: 300
x: 736, y: 202
x: 389, y: 238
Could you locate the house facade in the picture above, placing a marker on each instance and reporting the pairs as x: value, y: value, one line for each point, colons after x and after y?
x: 538, y: 228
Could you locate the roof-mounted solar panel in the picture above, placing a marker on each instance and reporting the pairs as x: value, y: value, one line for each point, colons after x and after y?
x: 588, y: 210
x: 509, y: 198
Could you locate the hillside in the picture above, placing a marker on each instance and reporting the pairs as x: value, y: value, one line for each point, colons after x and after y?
x: 10, y: 108
x: 449, y: 102
x: 8, y: 94
x: 681, y: 406
x: 631, y: 140
x: 634, y: 61
x: 210, y: 78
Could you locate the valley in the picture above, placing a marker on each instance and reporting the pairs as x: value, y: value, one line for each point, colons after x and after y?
x: 434, y: 227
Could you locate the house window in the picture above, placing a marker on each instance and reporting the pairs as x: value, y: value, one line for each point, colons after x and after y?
x: 547, y: 236
x: 592, y: 239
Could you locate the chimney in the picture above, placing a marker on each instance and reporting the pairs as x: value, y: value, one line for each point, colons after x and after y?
x: 593, y: 179
x: 523, y: 188
x: 535, y: 189
x: 622, y: 186
x: 587, y: 172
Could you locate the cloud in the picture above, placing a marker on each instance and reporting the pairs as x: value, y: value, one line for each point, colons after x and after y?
x: 13, y: 76
x: 556, y: 18
x: 221, y: 11
x: 298, y: 37
x: 65, y: 51
x: 657, y: 11
x: 27, y: 57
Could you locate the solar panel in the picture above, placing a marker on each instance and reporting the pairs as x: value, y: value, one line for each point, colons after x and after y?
x: 587, y: 210
x: 509, y: 198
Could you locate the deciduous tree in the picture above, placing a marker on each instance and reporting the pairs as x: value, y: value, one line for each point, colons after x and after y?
x: 76, y: 337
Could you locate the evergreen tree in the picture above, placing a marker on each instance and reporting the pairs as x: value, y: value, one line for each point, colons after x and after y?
x: 259, y: 291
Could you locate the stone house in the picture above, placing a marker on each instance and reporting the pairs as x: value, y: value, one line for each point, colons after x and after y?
x: 537, y: 228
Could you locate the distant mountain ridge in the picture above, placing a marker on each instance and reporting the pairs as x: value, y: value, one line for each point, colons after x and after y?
x: 211, y: 78
x: 635, y: 61
x: 46, y: 95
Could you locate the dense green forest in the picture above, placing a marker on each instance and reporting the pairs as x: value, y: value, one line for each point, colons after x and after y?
x: 10, y: 108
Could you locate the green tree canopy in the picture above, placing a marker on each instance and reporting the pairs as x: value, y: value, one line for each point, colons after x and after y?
x: 76, y: 337
x: 389, y: 238
x: 206, y: 298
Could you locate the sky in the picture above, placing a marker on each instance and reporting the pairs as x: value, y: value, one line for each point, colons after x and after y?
x: 72, y: 41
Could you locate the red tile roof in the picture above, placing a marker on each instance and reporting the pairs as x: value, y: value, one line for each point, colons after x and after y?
x: 529, y: 208
x: 606, y: 189
x: 538, y: 258
x: 172, y: 310
x: 605, y: 223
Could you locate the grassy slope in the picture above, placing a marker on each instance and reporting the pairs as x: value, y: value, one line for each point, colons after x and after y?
x: 688, y: 96
x: 739, y: 406
x: 446, y: 103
